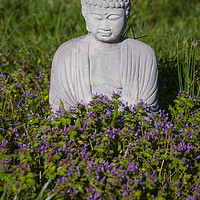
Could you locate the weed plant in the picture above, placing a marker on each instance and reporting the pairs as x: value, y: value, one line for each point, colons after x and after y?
x: 107, y: 149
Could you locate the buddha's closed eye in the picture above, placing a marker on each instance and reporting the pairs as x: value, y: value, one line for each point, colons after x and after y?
x: 113, y: 17
x: 97, y: 16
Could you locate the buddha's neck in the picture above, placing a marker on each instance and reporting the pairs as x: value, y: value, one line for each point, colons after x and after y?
x: 105, y: 46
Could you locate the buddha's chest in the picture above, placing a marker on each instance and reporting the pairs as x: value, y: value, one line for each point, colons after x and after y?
x: 105, y: 69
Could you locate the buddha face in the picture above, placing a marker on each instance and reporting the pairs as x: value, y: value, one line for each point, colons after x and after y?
x: 106, y: 24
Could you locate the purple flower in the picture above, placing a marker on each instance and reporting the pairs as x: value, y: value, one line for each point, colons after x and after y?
x: 124, y: 193
x: 197, y: 157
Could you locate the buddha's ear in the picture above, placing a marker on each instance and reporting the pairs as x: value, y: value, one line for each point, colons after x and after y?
x: 128, y: 11
x: 127, y: 15
x: 83, y: 8
x: 84, y: 13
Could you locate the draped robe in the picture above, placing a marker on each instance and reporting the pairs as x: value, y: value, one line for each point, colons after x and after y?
x: 71, y: 73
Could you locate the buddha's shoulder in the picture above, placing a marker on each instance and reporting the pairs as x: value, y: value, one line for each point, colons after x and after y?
x: 140, y: 47
x: 70, y: 44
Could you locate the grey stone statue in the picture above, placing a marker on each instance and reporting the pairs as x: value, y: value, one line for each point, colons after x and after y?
x: 104, y: 61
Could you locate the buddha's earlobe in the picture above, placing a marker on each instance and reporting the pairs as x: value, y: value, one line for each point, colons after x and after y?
x: 87, y: 27
x: 127, y: 15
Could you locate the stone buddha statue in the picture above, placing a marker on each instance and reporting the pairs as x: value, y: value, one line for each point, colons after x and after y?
x: 104, y: 61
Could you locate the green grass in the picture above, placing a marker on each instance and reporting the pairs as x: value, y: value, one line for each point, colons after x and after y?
x: 45, y: 24
x: 34, y: 27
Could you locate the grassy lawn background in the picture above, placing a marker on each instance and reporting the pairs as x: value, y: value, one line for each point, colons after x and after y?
x: 37, y: 27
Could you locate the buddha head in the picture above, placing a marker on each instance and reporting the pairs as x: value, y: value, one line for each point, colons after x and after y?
x: 106, y: 19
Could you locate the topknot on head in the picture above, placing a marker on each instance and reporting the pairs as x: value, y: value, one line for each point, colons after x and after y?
x: 108, y: 3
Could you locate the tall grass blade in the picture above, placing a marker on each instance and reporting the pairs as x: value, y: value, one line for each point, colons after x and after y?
x: 4, y: 194
x: 39, y: 197
x: 179, y: 69
x: 51, y: 197
x: 187, y: 69
x: 16, y: 196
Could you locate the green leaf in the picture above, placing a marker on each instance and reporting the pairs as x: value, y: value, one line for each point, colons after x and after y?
x: 175, y: 178
x: 114, y: 117
x: 30, y: 175
x: 80, y: 142
x: 24, y: 186
x: 80, y: 188
x: 30, y: 182
x: 78, y: 123
x: 72, y: 135
x: 62, y: 105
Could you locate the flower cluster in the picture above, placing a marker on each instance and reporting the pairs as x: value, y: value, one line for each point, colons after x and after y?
x: 103, y: 150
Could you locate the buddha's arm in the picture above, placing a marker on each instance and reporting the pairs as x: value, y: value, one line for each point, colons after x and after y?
x: 148, y: 81
x: 59, y: 86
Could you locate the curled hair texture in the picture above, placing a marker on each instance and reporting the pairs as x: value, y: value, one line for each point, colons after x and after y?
x: 108, y: 3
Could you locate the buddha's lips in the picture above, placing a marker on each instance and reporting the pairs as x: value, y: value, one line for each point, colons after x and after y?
x: 105, y: 33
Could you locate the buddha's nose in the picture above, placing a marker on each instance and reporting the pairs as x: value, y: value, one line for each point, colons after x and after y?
x: 104, y: 26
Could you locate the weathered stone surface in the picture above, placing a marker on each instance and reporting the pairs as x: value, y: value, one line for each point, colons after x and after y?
x: 103, y: 61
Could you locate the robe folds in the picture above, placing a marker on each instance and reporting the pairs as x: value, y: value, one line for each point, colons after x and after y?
x: 71, y: 74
